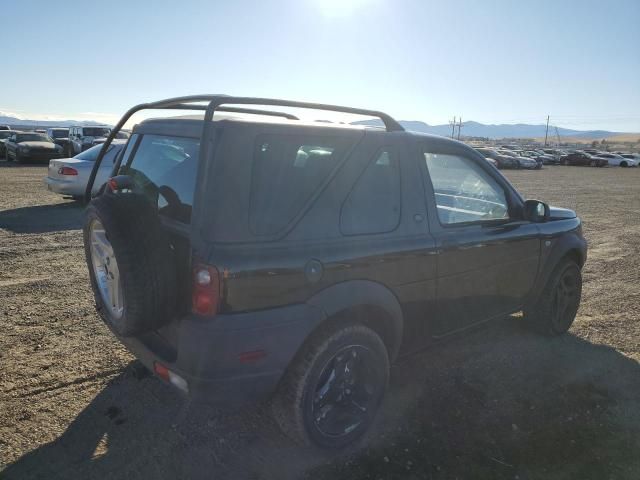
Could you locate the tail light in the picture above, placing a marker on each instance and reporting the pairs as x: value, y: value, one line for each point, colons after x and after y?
x: 67, y: 171
x: 206, y: 290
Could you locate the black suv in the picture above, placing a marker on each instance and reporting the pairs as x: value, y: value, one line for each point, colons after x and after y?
x: 259, y: 256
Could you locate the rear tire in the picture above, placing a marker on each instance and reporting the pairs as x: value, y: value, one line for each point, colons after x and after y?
x: 556, y: 308
x: 331, y: 392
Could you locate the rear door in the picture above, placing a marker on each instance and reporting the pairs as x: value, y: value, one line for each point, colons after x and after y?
x: 487, y: 257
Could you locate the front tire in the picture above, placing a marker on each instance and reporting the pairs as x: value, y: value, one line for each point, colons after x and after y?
x: 555, y: 310
x: 333, y: 388
x: 624, y: 164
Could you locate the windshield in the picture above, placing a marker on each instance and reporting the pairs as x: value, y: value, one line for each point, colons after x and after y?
x: 91, y: 154
x: 60, y: 133
x: 33, y: 137
x: 5, y: 133
x: 95, y: 131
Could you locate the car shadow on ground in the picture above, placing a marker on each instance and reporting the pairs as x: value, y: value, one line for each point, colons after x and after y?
x: 499, y: 403
x: 43, y: 218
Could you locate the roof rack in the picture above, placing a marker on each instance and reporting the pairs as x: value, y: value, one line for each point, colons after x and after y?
x: 216, y: 102
x: 251, y: 111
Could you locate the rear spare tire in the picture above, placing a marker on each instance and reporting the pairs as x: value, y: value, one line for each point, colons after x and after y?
x: 130, y: 262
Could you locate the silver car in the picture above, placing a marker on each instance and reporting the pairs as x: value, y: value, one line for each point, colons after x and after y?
x: 523, y: 162
x: 69, y: 176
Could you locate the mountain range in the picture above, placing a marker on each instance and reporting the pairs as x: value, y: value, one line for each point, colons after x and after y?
x: 469, y: 128
x: 13, y: 121
x: 476, y: 129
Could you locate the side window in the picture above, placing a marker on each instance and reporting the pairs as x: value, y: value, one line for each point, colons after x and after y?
x: 131, y: 145
x: 373, y: 206
x: 164, y: 168
x: 464, y: 191
x: 287, y: 170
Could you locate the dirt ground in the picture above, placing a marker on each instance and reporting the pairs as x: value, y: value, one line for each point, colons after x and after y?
x: 498, y: 403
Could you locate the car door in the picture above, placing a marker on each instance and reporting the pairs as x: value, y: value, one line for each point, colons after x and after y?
x: 487, y: 255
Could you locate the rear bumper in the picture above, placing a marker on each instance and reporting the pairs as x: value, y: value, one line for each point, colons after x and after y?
x: 206, y: 352
x: 64, y: 187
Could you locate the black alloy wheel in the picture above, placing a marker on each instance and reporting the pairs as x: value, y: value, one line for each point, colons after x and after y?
x: 346, y: 391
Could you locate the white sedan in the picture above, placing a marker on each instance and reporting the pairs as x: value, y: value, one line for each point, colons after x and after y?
x: 616, y: 160
x: 69, y: 176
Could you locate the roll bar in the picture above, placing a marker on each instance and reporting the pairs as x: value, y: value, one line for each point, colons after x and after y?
x: 215, y: 103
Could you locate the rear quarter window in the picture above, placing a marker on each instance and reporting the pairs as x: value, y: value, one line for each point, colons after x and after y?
x: 373, y: 206
x: 287, y: 171
x: 164, y: 168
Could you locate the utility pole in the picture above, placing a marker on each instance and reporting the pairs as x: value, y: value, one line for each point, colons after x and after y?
x: 453, y: 127
x: 459, y: 127
x: 546, y: 133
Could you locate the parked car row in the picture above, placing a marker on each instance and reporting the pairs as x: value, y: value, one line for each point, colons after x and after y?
x: 509, y: 159
x: 595, y: 158
x: 72, y: 141
x: 511, y: 156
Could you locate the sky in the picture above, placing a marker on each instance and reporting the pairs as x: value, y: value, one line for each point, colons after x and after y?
x: 492, y: 61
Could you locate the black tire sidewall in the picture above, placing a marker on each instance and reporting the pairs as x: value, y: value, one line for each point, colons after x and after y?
x: 540, y: 316
x: 145, y: 262
x: 564, y: 268
x: 119, y: 325
x: 343, y: 338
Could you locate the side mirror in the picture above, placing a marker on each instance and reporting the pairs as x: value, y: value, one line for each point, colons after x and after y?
x: 536, y: 211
